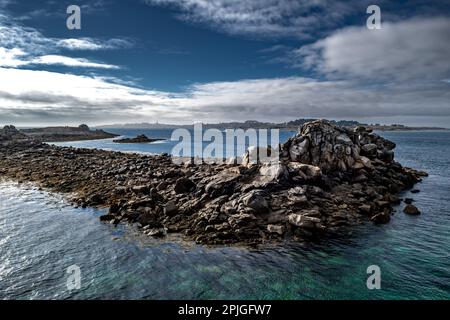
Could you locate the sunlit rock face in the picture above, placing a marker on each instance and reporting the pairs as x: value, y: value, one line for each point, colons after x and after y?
x: 329, y: 147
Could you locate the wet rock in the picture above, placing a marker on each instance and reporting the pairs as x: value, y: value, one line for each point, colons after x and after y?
x: 107, y: 217
x: 411, y: 210
x: 303, y: 221
x: 147, y: 218
x: 381, y: 218
x: 95, y: 199
x: 114, y: 209
x: 156, y: 232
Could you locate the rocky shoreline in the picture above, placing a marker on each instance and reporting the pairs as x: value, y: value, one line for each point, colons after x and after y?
x: 327, y: 178
x: 63, y: 134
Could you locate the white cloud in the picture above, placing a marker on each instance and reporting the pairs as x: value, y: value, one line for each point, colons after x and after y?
x: 79, y: 44
x: 93, y: 44
x: 272, y: 18
x: 42, y: 97
x: 303, y: 19
x: 417, y: 49
x: 27, y: 39
x: 70, y: 62
x: 402, y: 68
x: 21, y: 46
x: 11, y: 57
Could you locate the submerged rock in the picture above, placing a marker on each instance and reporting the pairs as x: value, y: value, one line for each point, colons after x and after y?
x: 411, y: 210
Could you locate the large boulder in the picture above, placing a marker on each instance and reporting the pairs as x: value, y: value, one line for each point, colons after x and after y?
x: 270, y: 173
x: 411, y: 210
x: 329, y: 147
x: 305, y: 221
x: 324, y: 145
x: 184, y: 185
x: 9, y: 133
x: 255, y: 199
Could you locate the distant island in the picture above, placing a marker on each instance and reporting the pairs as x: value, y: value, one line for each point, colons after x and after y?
x: 291, y: 125
x: 61, y: 134
x: 142, y: 138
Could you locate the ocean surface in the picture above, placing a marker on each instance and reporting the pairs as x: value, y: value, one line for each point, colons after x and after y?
x: 41, y: 236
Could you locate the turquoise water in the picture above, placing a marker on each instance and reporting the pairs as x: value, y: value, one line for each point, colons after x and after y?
x: 41, y: 236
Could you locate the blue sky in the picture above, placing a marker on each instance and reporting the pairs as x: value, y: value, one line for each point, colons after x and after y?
x: 224, y: 60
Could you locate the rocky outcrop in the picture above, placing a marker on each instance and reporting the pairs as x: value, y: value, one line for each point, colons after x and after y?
x: 411, y: 210
x: 59, y: 134
x: 335, y: 149
x: 9, y: 133
x: 11, y: 137
x: 142, y: 138
x: 327, y: 178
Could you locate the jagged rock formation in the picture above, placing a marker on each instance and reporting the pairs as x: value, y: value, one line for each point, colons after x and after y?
x: 327, y: 178
x: 333, y: 148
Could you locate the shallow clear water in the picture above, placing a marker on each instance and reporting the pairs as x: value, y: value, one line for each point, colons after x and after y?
x: 41, y: 236
x: 167, y: 144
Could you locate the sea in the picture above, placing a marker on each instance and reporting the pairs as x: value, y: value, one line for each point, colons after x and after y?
x: 42, y: 239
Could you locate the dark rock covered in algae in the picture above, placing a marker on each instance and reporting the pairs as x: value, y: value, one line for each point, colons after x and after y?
x: 327, y: 178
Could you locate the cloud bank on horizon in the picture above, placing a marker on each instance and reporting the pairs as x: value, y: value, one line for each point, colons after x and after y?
x: 324, y: 63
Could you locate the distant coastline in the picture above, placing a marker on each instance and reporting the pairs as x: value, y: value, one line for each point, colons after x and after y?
x: 83, y: 132
x: 291, y: 125
x: 63, y: 134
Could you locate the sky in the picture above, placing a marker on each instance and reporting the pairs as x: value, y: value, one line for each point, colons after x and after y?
x: 185, y: 61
